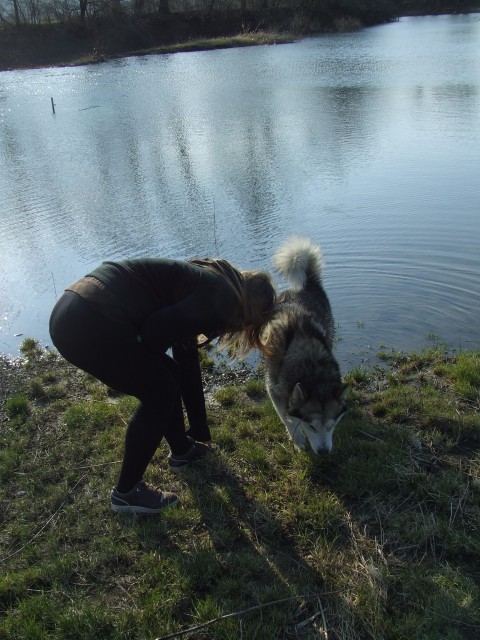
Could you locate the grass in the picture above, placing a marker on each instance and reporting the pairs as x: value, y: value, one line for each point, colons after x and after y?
x: 380, y: 539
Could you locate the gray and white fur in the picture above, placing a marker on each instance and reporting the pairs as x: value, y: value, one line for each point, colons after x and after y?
x: 302, y: 376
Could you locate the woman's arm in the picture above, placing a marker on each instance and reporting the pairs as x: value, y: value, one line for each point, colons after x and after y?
x: 191, y: 384
x: 207, y: 310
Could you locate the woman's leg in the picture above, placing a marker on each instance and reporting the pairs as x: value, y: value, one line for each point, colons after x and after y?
x: 141, y: 440
x: 111, y: 352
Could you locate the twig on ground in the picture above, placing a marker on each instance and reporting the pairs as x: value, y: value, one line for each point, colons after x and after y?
x: 236, y: 614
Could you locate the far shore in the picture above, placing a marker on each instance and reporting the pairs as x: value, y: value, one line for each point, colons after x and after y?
x: 76, y: 43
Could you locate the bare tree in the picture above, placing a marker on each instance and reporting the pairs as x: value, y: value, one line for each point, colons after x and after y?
x: 16, y: 10
x: 138, y: 7
x: 33, y: 9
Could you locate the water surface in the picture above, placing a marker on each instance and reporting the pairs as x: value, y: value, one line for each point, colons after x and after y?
x: 367, y: 142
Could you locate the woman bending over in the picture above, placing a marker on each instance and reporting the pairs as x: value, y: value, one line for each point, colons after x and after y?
x: 117, y: 324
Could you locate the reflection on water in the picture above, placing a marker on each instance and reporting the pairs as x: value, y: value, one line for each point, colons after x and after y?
x: 367, y: 142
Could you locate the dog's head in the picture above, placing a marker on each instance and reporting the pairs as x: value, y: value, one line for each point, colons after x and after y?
x: 317, y: 414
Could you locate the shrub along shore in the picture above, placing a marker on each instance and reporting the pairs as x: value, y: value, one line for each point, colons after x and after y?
x: 379, y: 539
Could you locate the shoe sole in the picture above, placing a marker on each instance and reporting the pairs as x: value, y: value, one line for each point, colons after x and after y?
x: 121, y: 508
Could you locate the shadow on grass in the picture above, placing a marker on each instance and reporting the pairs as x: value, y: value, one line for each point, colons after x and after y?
x: 250, y: 558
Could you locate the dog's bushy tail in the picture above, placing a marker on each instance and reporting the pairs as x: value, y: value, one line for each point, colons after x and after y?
x: 300, y: 261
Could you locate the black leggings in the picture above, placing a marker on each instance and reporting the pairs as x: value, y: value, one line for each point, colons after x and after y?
x: 111, y: 352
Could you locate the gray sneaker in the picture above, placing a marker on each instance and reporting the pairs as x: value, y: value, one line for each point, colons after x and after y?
x: 143, y: 498
x: 197, y: 451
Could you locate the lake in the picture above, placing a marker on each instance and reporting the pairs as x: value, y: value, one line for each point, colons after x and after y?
x: 367, y: 142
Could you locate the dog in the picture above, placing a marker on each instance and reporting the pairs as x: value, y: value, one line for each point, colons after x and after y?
x: 302, y: 376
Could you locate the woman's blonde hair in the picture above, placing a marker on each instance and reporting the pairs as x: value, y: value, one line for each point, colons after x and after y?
x: 256, y: 300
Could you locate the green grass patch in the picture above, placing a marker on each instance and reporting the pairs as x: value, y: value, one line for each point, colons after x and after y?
x: 17, y: 406
x: 464, y: 373
x: 378, y: 540
x: 227, y: 397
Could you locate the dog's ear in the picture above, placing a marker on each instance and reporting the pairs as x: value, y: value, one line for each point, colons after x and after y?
x: 340, y: 391
x: 297, y: 397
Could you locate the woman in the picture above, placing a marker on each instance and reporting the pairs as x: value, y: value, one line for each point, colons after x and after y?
x: 117, y: 323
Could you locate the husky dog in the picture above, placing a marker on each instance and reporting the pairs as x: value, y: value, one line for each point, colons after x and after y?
x: 302, y: 376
